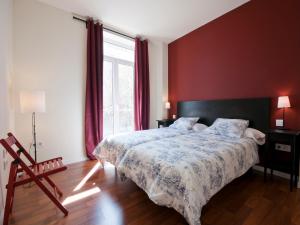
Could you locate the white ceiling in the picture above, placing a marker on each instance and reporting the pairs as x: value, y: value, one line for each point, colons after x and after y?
x: 165, y: 20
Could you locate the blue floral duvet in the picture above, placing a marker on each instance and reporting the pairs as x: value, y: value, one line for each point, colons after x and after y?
x: 182, y: 170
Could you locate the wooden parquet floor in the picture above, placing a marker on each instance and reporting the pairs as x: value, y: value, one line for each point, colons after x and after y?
x: 106, y: 200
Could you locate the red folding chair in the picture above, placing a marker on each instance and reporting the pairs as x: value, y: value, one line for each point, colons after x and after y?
x: 21, y: 174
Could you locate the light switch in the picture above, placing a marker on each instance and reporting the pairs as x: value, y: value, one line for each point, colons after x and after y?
x: 279, y: 123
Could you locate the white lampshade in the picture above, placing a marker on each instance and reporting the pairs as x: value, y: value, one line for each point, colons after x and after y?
x: 283, y: 102
x: 168, y: 105
x: 32, y: 101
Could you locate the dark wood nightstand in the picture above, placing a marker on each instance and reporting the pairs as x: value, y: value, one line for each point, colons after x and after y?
x: 280, y: 158
x: 164, y: 122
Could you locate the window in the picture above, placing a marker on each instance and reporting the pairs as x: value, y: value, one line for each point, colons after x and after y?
x: 118, y: 84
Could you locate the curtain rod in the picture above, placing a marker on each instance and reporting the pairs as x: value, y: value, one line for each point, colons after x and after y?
x: 105, y: 28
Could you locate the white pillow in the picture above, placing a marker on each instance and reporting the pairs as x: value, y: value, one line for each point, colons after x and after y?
x: 234, y: 128
x: 199, y: 127
x: 256, y: 135
x: 185, y: 123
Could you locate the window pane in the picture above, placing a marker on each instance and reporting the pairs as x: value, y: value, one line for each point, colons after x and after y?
x: 118, y: 39
x: 126, y: 98
x: 108, y: 112
x: 118, y: 52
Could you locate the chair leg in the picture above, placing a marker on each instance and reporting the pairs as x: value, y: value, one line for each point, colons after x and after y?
x: 7, y: 209
x: 46, y: 191
x: 13, y: 194
x: 52, y: 184
x: 12, y: 201
x: 51, y: 196
x: 9, y: 194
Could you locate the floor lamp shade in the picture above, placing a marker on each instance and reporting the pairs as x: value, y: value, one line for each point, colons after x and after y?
x: 32, y: 101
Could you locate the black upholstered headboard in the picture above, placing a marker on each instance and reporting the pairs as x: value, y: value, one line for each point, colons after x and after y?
x: 256, y: 110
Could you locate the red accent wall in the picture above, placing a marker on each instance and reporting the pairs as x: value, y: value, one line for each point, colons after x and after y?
x: 252, y: 51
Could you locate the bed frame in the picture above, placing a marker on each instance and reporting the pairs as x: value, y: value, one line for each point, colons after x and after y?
x: 256, y: 110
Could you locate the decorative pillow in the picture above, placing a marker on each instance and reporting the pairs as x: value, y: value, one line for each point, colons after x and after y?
x: 256, y: 135
x: 229, y: 127
x: 199, y: 127
x: 185, y: 123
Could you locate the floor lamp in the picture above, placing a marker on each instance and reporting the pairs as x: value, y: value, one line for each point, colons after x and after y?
x: 33, y: 102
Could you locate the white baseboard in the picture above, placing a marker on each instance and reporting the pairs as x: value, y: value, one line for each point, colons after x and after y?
x: 276, y: 173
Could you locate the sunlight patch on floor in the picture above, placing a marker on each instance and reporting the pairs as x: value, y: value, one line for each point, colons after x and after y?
x: 81, y: 195
x: 87, y: 177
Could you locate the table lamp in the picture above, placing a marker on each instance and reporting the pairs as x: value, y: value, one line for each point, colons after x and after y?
x: 283, y: 102
x: 167, y: 106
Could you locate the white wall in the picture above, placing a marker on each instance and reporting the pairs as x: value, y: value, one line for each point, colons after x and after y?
x: 6, y: 122
x: 50, y: 50
x: 50, y: 55
x: 158, y: 66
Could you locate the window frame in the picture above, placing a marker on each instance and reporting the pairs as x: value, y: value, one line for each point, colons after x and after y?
x: 115, y: 81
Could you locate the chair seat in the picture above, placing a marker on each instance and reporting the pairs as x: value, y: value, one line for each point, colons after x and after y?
x: 41, y: 169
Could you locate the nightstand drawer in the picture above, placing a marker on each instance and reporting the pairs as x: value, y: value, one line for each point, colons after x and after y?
x: 279, y: 138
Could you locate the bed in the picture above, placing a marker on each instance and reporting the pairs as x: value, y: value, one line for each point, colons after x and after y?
x: 184, y: 169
